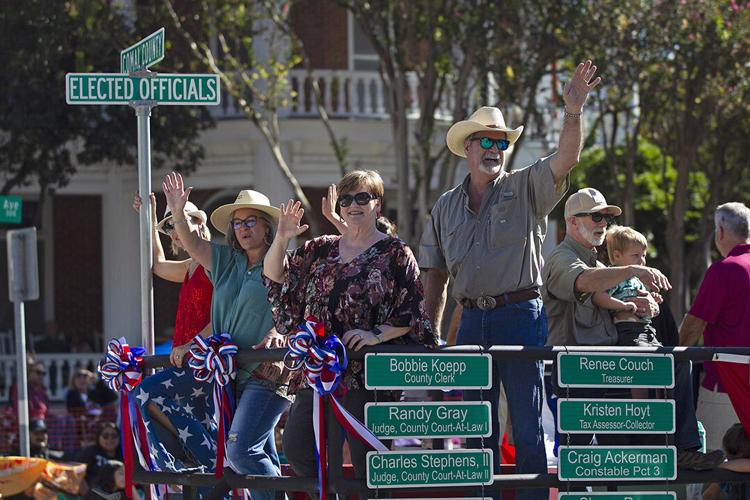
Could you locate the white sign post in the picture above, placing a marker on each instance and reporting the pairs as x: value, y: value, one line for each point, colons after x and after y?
x: 143, y: 90
x: 23, y: 284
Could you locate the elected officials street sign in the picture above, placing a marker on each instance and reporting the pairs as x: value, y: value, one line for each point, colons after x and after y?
x: 163, y: 89
x: 427, y: 371
x: 621, y: 463
x: 615, y: 370
x: 143, y: 54
x: 615, y: 416
x: 428, y: 420
x: 406, y: 469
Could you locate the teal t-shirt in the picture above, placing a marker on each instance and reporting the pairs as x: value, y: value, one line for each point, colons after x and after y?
x: 240, y: 304
x: 628, y: 288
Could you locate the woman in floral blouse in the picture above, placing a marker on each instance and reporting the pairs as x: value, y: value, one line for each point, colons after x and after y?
x: 363, y: 286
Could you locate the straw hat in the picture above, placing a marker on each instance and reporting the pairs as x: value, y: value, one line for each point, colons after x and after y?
x: 485, y: 119
x: 246, y: 199
x: 190, y: 209
x: 588, y: 201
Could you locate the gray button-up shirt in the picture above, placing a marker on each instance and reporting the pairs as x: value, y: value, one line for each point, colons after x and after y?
x: 572, y: 318
x: 497, y: 250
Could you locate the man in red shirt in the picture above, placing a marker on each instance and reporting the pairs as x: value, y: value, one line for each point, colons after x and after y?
x: 721, y: 312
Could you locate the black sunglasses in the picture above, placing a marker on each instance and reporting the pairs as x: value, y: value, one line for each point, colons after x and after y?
x: 597, y: 217
x: 362, y: 198
x: 168, y: 227
x: 248, y: 222
x: 486, y: 143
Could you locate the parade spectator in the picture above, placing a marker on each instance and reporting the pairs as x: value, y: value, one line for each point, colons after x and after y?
x: 572, y: 274
x: 721, y: 313
x: 240, y: 308
x: 106, y: 447
x: 171, y: 399
x: 39, y: 442
x: 38, y: 396
x: 486, y: 235
x: 363, y: 286
x: 110, y: 483
x: 736, y: 444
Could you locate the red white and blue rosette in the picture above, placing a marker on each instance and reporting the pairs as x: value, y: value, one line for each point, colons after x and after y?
x: 323, y: 360
x: 122, y: 370
x: 212, y: 361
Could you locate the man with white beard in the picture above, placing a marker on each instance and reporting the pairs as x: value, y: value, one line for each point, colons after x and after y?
x: 571, y: 275
x: 486, y: 236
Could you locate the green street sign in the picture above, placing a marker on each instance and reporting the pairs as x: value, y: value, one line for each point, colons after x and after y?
x: 622, y: 463
x: 10, y: 209
x: 620, y: 495
x: 427, y: 371
x: 428, y: 420
x: 163, y: 89
x: 615, y: 416
x: 143, y: 54
x: 407, y: 469
x: 615, y: 370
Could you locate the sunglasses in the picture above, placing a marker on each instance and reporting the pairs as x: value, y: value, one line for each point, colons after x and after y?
x: 40, y: 372
x: 362, y: 198
x: 487, y: 143
x: 598, y: 217
x: 168, y: 227
x: 109, y: 435
x: 249, y: 222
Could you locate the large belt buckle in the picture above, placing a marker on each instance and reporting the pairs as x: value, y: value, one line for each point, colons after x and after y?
x: 485, y: 302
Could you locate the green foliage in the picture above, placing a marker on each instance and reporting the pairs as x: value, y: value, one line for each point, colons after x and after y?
x: 41, y: 137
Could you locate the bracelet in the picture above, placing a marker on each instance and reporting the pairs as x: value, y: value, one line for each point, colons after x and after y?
x: 566, y: 114
x: 378, y: 332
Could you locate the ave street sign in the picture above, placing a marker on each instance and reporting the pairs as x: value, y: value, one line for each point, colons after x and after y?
x: 622, y: 463
x: 10, y: 209
x: 143, y: 54
x: 615, y: 370
x: 427, y: 371
x: 428, y: 420
x: 407, y: 469
x: 615, y: 416
x: 162, y: 89
x: 619, y: 495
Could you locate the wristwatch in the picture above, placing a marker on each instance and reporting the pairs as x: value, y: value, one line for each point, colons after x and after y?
x: 378, y: 333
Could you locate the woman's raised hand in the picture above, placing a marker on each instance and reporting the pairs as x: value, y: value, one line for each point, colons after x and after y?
x: 137, y: 207
x: 175, y: 192
x: 289, y: 220
x: 329, y: 210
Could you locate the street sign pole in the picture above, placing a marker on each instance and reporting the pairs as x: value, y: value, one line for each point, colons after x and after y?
x: 23, y: 284
x: 143, y: 112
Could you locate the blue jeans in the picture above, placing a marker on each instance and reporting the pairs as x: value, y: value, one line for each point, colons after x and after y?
x: 251, y: 448
x: 524, y: 323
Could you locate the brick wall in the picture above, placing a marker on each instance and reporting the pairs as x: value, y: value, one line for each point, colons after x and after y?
x: 322, y: 27
x: 78, y: 263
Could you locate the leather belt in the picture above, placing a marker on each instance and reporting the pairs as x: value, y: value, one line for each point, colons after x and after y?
x: 488, y: 302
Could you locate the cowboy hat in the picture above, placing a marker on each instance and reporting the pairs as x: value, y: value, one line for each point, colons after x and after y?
x: 485, y: 119
x: 190, y: 209
x: 246, y: 199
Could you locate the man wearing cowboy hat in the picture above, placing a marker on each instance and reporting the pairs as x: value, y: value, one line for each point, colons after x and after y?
x: 571, y: 275
x: 486, y: 235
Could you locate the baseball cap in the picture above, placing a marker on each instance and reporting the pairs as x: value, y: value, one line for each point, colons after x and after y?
x: 36, y: 425
x: 587, y: 201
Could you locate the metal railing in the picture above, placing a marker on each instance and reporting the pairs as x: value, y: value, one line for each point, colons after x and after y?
x: 337, y: 484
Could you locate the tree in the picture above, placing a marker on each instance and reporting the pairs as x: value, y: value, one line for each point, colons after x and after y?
x: 44, y: 140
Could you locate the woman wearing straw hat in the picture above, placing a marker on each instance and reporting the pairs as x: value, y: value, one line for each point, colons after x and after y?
x: 363, y: 286
x: 240, y: 308
x: 169, y: 400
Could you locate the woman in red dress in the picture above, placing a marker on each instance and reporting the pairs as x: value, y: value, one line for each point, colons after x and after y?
x: 176, y: 408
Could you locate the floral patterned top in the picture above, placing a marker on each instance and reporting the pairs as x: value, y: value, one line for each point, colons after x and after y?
x: 380, y: 286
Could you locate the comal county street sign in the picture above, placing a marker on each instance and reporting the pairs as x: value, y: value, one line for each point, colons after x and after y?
x: 163, y: 89
x: 143, y: 54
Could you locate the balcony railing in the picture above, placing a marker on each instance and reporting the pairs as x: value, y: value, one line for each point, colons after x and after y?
x: 346, y: 94
x: 59, y: 367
